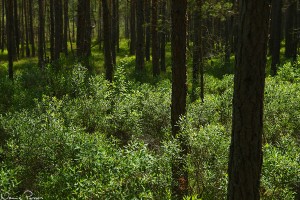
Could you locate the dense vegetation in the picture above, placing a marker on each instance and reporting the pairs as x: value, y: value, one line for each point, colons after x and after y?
x: 71, y: 135
x: 140, y: 99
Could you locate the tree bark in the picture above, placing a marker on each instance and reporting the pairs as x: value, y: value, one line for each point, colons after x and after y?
x: 66, y: 25
x: 140, y: 40
x: 17, y: 34
x: 41, y: 33
x: 163, y: 36
x: 179, y: 92
x: 52, y: 31
x: 108, y: 62
x: 245, y: 160
x: 26, y: 28
x: 147, y: 31
x: 31, y: 28
x: 58, y: 31
x: 275, y: 36
x: 290, y: 32
x: 155, y: 42
x: 10, y: 31
x: 132, y: 27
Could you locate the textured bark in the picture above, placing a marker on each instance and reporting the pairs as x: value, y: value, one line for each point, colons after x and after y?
x: 290, y: 32
x: 275, y: 36
x: 84, y: 32
x: 11, y: 45
x: 179, y: 92
x: 132, y: 27
x: 147, y: 31
x: 245, y: 160
x: 155, y: 41
x: 41, y: 35
x: 107, y: 43
x: 140, y: 40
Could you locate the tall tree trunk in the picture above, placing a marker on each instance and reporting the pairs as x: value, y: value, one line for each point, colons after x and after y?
x: 290, y: 32
x: 31, y: 28
x: 26, y: 28
x: 163, y: 36
x: 155, y: 42
x: 10, y: 30
x: 58, y: 30
x: 132, y: 27
x: 22, y: 27
x: 106, y: 37
x: 41, y: 34
x: 245, y: 160
x: 3, y: 26
x: 114, y: 31
x: 179, y: 92
x: 126, y: 21
x: 52, y: 31
x: 275, y: 36
x: 66, y: 25
x: 17, y: 34
x: 84, y: 32
x: 147, y: 31
x: 197, y: 52
x: 100, y: 26
x: 140, y: 40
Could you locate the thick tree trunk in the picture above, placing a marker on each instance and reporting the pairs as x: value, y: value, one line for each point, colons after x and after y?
x: 179, y: 92
x: 107, y: 43
x: 84, y: 32
x: 132, y: 27
x: 245, y: 162
x: 155, y: 42
x: 275, y: 36
x: 140, y: 40
x: 41, y: 33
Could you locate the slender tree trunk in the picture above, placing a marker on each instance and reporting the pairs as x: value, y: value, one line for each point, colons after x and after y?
x: 197, y: 52
x: 11, y: 45
x: 132, y: 27
x: 22, y: 27
x: 163, y: 36
x: 41, y: 34
x: 58, y: 30
x: 31, y: 28
x: 107, y: 46
x: 179, y: 92
x: 245, y: 160
x: 52, y: 31
x: 3, y: 25
x: 17, y: 34
x: 275, y: 38
x: 155, y: 41
x: 140, y: 40
x: 100, y: 26
x: 66, y: 25
x: 114, y: 31
x: 148, y: 35
x: 26, y: 29
x: 126, y: 19
x: 290, y: 32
